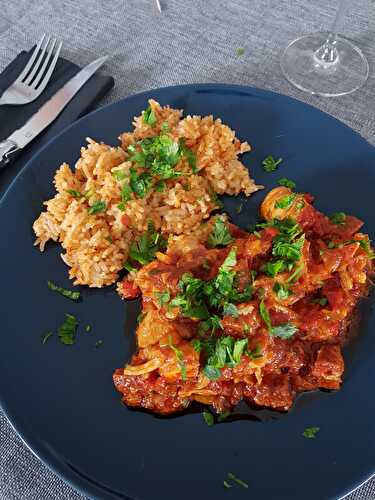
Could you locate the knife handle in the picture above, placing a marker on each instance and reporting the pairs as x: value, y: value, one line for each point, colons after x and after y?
x: 7, y: 151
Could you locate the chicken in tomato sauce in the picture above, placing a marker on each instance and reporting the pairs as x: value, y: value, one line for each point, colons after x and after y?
x: 230, y: 315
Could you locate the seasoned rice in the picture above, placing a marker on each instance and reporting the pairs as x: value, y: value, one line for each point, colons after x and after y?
x: 96, y: 244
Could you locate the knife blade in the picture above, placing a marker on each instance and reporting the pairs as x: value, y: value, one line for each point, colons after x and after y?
x: 47, y: 113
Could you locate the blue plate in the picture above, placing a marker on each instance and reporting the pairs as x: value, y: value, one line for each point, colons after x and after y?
x: 61, y: 399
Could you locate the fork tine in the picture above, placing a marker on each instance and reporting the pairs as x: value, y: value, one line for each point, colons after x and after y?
x: 37, y: 64
x: 31, y: 60
x: 47, y: 76
x: 41, y: 71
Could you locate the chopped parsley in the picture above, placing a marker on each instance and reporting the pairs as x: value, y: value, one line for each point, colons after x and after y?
x: 270, y: 164
x: 286, y: 183
x: 285, y: 331
x: 149, y: 117
x: 97, y: 208
x: 98, y: 344
x: 143, y: 250
x: 338, y: 218
x: 230, y: 310
x: 234, y: 479
x: 88, y: 328
x: 46, y: 337
x: 208, y: 418
x: 70, y: 294
x: 265, y: 315
x: 240, y: 51
x: 74, y: 193
x: 239, y: 208
x: 285, y: 201
x: 163, y: 297
x: 295, y: 274
x: 271, y: 268
x: 223, y: 416
x: 180, y: 358
x: 323, y: 301
x: 282, y: 291
x: 310, y: 432
x: 220, y: 235
x: 119, y: 175
x: 222, y: 351
x: 67, y: 331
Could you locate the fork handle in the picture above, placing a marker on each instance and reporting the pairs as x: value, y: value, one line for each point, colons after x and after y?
x: 7, y: 150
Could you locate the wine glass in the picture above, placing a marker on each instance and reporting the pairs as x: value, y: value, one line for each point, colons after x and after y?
x: 325, y: 63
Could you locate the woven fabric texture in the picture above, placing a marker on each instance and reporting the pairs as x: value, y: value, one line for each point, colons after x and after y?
x: 191, y: 41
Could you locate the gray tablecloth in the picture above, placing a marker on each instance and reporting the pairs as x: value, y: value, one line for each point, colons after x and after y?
x: 191, y: 41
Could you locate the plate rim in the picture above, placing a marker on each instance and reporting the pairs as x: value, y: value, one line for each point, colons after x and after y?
x: 88, y: 486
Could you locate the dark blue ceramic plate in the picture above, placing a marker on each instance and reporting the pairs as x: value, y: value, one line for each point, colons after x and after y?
x: 61, y: 400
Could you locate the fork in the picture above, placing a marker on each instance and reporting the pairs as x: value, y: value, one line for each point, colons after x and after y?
x: 36, y: 74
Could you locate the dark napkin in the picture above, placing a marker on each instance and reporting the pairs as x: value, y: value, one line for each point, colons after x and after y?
x: 13, y: 117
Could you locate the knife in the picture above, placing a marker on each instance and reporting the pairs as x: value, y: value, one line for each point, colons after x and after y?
x: 47, y: 113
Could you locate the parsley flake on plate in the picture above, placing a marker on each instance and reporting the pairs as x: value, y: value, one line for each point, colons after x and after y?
x: 208, y: 418
x: 46, y: 337
x: 240, y: 51
x: 67, y: 331
x: 180, y: 358
x: 264, y: 314
x: 97, y: 208
x: 284, y: 331
x: 338, y: 218
x: 282, y: 290
x: 285, y: 201
x: 270, y: 164
x: 74, y: 193
x: 70, y: 294
x: 286, y: 183
x: 234, y: 479
x: 220, y: 235
x: 149, y: 117
x: 162, y: 297
x: 98, y: 344
x: 310, y: 432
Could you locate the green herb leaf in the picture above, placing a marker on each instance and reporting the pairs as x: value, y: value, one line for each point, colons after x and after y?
x: 285, y: 201
x: 98, y: 344
x: 220, y: 235
x: 211, y: 372
x: 223, y: 416
x: 338, y: 218
x: 230, y: 310
x: 270, y: 164
x: 264, y: 314
x: 295, y: 274
x: 273, y: 268
x: 63, y: 291
x: 310, y: 432
x: 88, y: 328
x: 282, y: 290
x: 67, y: 331
x: 235, y: 479
x: 180, y: 358
x: 238, y: 350
x: 284, y: 331
x: 323, y: 301
x: 74, y: 193
x: 226, y: 484
x: 97, y: 208
x: 287, y: 183
x: 119, y: 175
x: 143, y: 249
x: 46, y: 337
x: 208, y: 418
x: 149, y: 117
x: 239, y: 208
x: 163, y: 297
x: 240, y: 51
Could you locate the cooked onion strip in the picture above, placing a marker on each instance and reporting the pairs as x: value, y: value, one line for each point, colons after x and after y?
x: 147, y: 367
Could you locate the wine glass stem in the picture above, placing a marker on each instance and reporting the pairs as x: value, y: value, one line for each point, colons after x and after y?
x: 327, y: 53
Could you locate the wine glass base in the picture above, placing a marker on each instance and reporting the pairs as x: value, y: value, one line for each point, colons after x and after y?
x: 306, y: 71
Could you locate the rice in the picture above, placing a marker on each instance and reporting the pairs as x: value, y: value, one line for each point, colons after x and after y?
x: 96, y: 243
